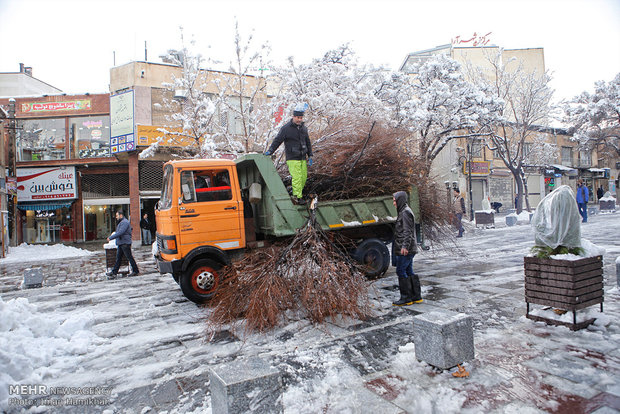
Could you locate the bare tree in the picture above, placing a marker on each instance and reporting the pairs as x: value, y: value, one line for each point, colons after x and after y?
x: 526, y: 95
x: 245, y: 94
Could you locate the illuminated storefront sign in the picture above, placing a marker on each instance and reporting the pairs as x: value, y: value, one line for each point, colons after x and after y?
x: 56, y: 106
x: 37, y: 184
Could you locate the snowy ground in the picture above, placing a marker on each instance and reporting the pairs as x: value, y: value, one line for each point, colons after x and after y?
x: 143, y: 347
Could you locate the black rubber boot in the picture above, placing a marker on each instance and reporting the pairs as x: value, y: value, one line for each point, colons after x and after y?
x: 406, y: 298
x: 416, y: 290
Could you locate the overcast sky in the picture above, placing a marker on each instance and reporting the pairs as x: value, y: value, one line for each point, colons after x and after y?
x: 71, y: 44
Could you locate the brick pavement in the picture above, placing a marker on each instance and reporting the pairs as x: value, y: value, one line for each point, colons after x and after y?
x: 90, y: 268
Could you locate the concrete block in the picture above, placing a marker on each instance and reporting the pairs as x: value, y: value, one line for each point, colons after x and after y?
x: 246, y: 386
x: 33, y: 277
x: 511, y: 220
x: 443, y: 339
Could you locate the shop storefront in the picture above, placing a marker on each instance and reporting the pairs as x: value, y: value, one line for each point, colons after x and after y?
x: 44, y: 197
x: 100, y: 217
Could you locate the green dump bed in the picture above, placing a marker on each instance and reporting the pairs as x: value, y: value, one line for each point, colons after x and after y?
x: 276, y: 215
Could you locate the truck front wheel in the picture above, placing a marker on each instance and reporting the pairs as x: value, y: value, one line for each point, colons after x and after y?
x: 201, y: 280
x: 374, y: 257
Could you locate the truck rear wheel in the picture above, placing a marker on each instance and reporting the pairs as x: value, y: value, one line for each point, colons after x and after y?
x: 201, y: 280
x: 374, y: 257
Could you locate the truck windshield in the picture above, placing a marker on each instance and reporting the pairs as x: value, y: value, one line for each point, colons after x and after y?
x: 165, y: 201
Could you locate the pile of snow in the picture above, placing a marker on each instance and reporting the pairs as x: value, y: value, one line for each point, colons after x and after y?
x: 38, y: 252
x: 589, y: 250
x: 35, y: 347
x: 523, y: 217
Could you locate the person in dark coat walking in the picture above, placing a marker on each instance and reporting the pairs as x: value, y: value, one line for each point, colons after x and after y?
x: 123, y: 245
x: 145, y: 226
x: 600, y: 193
x: 405, y: 248
x: 298, y: 151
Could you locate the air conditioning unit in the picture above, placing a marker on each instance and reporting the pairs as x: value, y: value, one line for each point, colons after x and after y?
x: 180, y: 93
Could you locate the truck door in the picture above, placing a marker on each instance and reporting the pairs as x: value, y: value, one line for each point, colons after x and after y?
x: 211, y: 210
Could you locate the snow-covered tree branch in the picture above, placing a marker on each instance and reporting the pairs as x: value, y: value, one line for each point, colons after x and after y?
x: 439, y: 105
x: 595, y: 118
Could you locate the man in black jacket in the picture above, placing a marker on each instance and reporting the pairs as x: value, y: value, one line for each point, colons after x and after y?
x: 405, y: 248
x: 297, y: 148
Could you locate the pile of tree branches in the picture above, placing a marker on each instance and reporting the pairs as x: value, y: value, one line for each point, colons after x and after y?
x: 359, y: 160
x: 307, y: 276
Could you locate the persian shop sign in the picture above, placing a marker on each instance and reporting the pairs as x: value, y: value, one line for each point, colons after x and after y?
x: 474, y: 41
x: 122, y: 122
x: 477, y: 167
x: 148, y: 135
x: 55, y: 183
x: 56, y: 106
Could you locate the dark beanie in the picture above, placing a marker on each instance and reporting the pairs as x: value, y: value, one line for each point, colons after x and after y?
x: 298, y: 113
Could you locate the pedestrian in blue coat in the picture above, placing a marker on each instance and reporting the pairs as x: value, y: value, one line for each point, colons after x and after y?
x: 122, y: 235
x: 583, y: 196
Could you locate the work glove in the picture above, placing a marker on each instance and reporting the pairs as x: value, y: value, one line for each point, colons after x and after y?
x: 267, y: 153
x: 309, y: 161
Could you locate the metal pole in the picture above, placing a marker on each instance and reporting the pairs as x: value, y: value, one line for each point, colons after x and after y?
x: 471, y: 203
x: 12, y: 167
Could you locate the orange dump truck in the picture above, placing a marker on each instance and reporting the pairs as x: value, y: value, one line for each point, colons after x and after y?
x: 212, y: 210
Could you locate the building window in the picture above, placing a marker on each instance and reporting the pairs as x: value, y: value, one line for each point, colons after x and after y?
x: 476, y: 148
x: 527, y: 149
x: 40, y: 139
x: 90, y: 136
x: 585, y: 158
x: 567, y: 156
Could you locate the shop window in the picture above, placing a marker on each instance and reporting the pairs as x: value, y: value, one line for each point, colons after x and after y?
x: 100, y: 220
x: 90, y: 136
x: 48, y: 226
x: 40, y: 139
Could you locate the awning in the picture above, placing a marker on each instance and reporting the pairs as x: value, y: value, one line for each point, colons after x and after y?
x: 566, y: 170
x: 42, y: 206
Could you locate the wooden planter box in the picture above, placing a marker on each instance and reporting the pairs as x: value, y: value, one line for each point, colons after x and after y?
x: 564, y: 284
x: 484, y: 219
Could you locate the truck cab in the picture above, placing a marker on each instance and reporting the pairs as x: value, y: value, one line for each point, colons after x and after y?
x: 200, y: 214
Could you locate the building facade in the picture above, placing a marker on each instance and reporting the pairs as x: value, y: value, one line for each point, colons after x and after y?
x: 470, y: 165
x: 154, y: 106
x: 68, y: 184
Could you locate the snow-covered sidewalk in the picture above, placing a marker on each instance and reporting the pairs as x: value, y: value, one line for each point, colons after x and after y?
x: 143, y: 347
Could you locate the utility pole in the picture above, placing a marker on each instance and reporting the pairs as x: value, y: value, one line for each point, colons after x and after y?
x: 12, y: 207
x: 471, y: 201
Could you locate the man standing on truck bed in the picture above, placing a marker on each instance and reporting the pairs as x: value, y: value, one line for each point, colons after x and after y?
x: 297, y: 148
